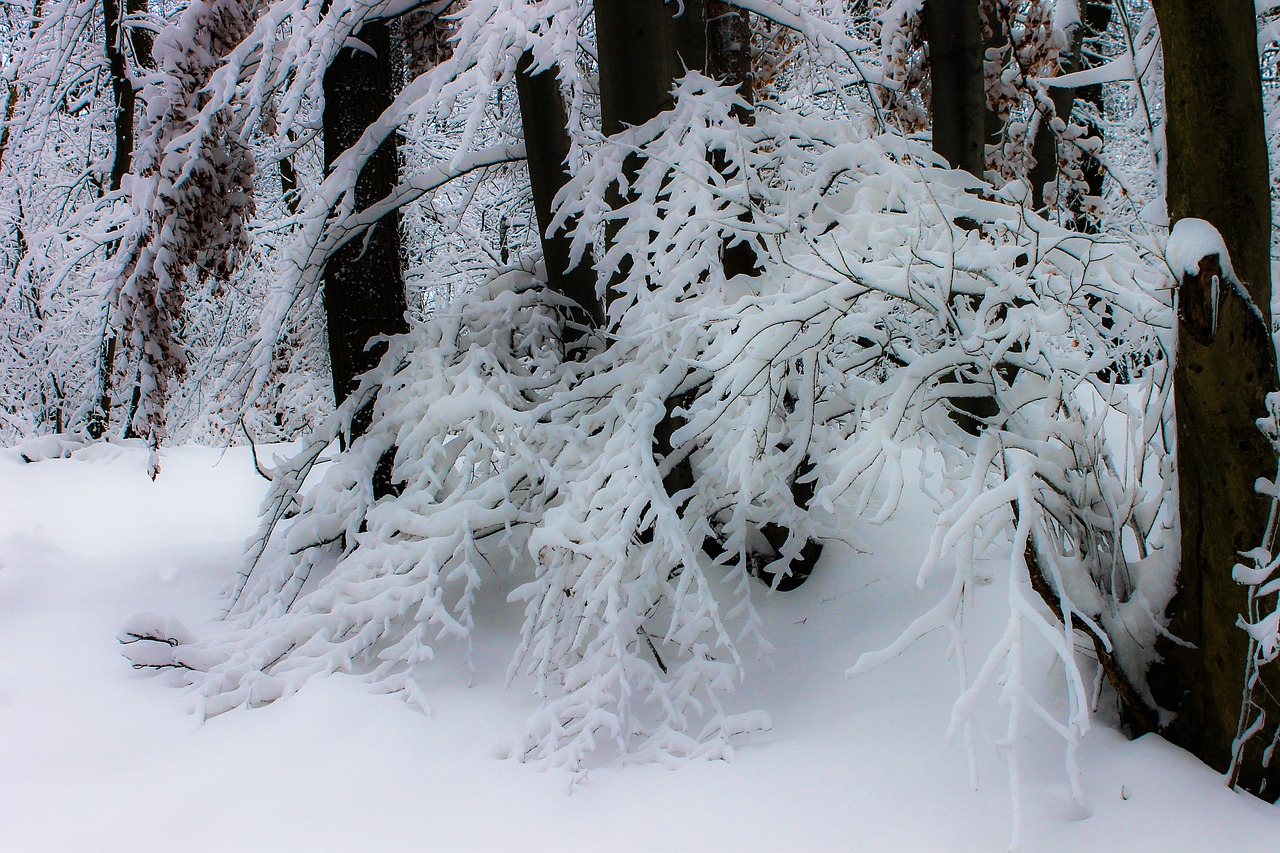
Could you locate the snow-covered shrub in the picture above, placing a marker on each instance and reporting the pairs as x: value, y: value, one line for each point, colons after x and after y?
x: 892, y: 289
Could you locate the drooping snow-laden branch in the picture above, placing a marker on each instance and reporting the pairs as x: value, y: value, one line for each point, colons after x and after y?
x: 191, y: 195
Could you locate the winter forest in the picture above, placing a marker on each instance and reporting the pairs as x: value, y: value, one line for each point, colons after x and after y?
x: 586, y: 354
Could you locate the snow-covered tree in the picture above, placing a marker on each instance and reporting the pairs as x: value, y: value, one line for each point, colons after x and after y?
x: 889, y: 289
x: 663, y: 360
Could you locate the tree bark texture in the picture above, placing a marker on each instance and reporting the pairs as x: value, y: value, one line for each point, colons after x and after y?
x: 636, y: 45
x: 141, y: 40
x: 1217, y: 171
x: 690, y: 36
x: 122, y: 94
x: 546, y: 139
x: 364, y: 295
x: 959, y: 100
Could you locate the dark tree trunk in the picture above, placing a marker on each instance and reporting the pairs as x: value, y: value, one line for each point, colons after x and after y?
x: 729, y: 61
x: 122, y: 94
x: 1045, y: 146
x: 1096, y: 19
x: 728, y: 38
x: 546, y: 139
x: 643, y: 47
x: 14, y: 91
x: 1217, y: 171
x: 691, y: 39
x: 364, y: 295
x: 638, y: 44
x: 124, y: 101
x: 141, y: 39
x: 961, y: 126
x: 636, y: 49
x: 289, y: 186
x: 959, y: 100
x: 993, y: 123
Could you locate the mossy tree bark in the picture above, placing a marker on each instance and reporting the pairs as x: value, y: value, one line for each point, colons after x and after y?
x: 1217, y: 171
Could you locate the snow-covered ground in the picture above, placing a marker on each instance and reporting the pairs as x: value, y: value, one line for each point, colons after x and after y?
x: 97, y: 757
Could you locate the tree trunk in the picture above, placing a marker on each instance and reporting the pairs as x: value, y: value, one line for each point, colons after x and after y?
x: 728, y: 37
x: 124, y: 101
x: 1217, y: 171
x: 637, y: 49
x: 289, y: 191
x: 122, y: 94
x: 141, y: 40
x: 1096, y: 20
x: 690, y: 37
x: 993, y: 124
x: 546, y: 139
x: 959, y: 99
x: 1044, y: 149
x: 364, y: 295
x: 638, y: 44
x: 13, y: 90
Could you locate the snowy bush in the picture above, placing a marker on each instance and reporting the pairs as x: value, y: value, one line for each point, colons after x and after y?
x: 902, y: 305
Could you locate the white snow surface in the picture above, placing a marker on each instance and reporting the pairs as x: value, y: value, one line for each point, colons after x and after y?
x: 99, y: 757
x: 1190, y: 241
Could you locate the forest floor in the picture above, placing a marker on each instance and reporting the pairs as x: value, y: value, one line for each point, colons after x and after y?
x: 97, y: 757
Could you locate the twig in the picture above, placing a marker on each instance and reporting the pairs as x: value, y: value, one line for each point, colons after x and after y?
x: 253, y: 448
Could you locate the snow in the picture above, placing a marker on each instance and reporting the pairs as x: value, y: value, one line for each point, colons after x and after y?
x: 1192, y: 240
x: 100, y: 757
